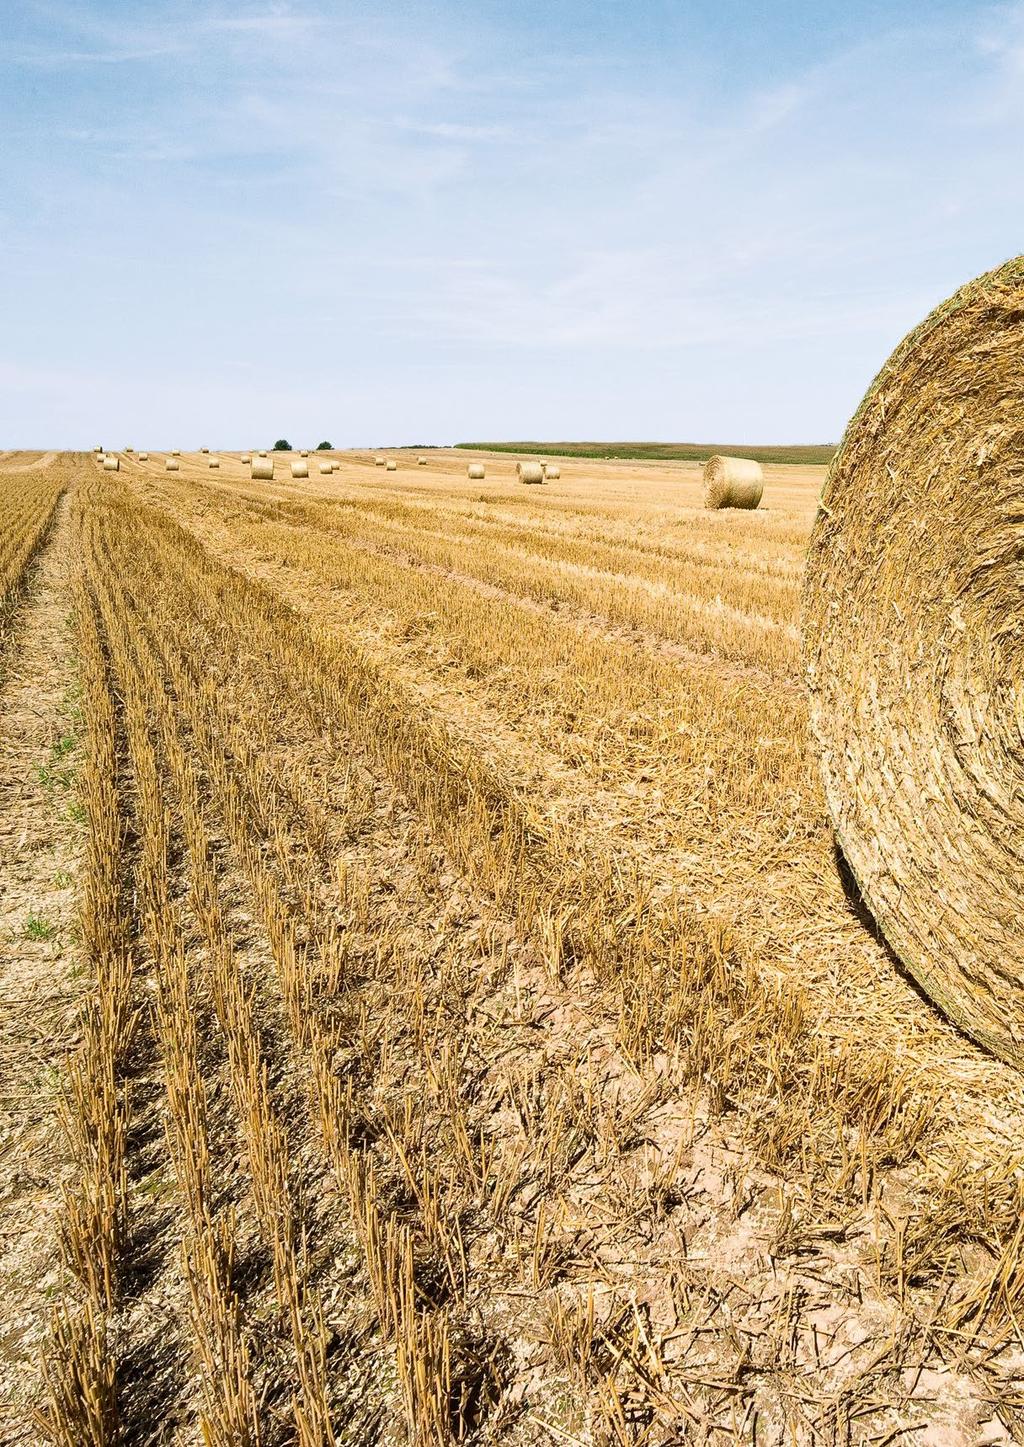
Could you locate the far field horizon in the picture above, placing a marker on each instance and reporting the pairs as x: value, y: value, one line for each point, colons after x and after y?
x: 813, y: 454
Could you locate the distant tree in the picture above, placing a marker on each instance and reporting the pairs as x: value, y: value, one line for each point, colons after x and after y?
x: 282, y: 445
x: 325, y: 447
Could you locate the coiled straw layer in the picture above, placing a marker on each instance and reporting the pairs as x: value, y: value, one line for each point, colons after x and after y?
x: 913, y: 640
x: 732, y: 482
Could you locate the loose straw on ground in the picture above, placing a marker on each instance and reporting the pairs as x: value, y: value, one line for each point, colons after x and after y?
x: 912, y: 620
x: 732, y: 482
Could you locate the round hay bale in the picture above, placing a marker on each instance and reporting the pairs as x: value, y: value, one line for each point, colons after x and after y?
x: 551, y: 469
x: 261, y: 454
x: 262, y: 468
x: 379, y: 461
x: 129, y: 449
x: 912, y: 619
x: 327, y: 468
x: 529, y: 472
x: 303, y: 454
x: 176, y: 452
x: 476, y: 471
x: 421, y: 462
x: 111, y: 464
x: 300, y: 468
x: 732, y: 482
x: 213, y: 462
x: 171, y: 464
x: 246, y: 457
x: 392, y: 465
x: 335, y: 465
x: 143, y: 456
x: 98, y: 449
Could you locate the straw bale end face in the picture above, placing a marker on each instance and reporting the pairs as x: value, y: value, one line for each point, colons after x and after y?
x: 913, y: 628
x: 732, y: 482
x: 476, y: 471
x: 552, y: 470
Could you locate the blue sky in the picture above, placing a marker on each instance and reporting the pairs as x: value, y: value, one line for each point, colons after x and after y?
x: 712, y: 220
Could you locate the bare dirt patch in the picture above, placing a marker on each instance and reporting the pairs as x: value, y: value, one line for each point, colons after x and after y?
x: 40, y: 844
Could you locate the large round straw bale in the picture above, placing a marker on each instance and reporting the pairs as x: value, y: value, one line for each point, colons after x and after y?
x: 213, y: 462
x: 421, y: 462
x: 129, y: 449
x: 732, y: 482
x: 303, y: 454
x: 379, y: 461
x: 335, y: 465
x: 552, y: 469
x: 176, y: 452
x: 171, y: 464
x: 98, y: 449
x: 246, y: 457
x: 327, y: 468
x: 204, y: 449
x: 111, y: 464
x: 262, y: 468
x: 261, y: 454
x: 913, y: 622
x: 476, y: 470
x: 143, y: 456
x: 300, y: 467
x: 392, y: 465
x: 529, y: 472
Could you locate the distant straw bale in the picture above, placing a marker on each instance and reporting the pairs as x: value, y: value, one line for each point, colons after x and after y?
x: 476, y: 471
x: 111, y: 463
x: 213, y: 462
x: 732, y: 482
x: 246, y: 457
x: 171, y: 464
x: 912, y: 620
x: 327, y: 468
x: 421, y: 462
x: 392, y: 465
x: 143, y: 456
x: 379, y: 461
x: 551, y: 469
x: 262, y: 468
x: 300, y: 467
x: 529, y: 472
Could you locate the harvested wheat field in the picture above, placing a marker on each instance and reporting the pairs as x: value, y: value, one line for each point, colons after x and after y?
x: 433, y: 1010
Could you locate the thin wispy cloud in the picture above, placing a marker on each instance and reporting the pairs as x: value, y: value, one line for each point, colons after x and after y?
x: 422, y: 216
